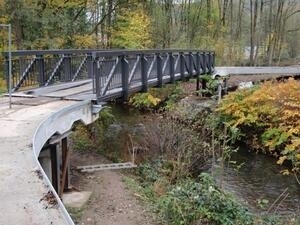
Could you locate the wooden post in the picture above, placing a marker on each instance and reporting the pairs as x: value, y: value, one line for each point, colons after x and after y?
x: 65, y: 166
x: 54, y: 167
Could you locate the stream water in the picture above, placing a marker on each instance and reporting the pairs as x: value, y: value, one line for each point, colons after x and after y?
x: 257, y: 183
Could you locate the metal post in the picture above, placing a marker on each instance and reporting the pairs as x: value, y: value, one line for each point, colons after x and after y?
x: 97, y: 73
x: 144, y: 73
x: 90, y: 65
x: 9, y: 61
x: 203, y: 63
x: 125, y: 76
x: 171, y: 64
x: 198, y: 66
x: 208, y: 63
x: 67, y: 67
x: 213, y: 59
x: 9, y: 56
x: 41, y: 69
x: 182, y: 64
x: 159, y: 70
x: 190, y: 65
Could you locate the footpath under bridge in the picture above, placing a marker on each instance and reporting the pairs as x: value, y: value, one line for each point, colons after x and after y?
x: 113, y: 74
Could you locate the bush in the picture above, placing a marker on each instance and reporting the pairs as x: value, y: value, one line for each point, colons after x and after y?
x: 90, y: 137
x: 269, y: 116
x: 166, y: 96
x: 144, y: 101
x: 189, y: 201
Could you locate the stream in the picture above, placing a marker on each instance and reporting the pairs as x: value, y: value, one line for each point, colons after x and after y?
x: 257, y: 183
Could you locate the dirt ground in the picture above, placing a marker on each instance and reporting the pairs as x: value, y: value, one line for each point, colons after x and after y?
x: 111, y: 202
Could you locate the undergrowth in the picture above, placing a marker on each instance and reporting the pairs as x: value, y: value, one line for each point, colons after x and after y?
x: 268, y: 118
x: 157, y: 98
x: 91, y: 137
x: 190, y: 201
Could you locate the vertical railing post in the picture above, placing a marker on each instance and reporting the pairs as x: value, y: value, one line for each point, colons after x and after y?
x: 144, y: 73
x: 89, y: 64
x: 41, y: 69
x: 96, y: 78
x: 198, y: 68
x: 159, y: 70
x: 203, y: 63
x: 191, y: 65
x: 171, y: 64
x: 125, y: 76
x: 67, y: 67
x: 213, y: 60
x: 182, y: 64
x: 209, y: 62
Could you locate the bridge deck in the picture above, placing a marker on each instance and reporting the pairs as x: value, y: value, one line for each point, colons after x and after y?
x: 78, y: 91
x: 22, y: 189
x: 295, y: 70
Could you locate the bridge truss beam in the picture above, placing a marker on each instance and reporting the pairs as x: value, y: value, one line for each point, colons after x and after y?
x: 115, y: 73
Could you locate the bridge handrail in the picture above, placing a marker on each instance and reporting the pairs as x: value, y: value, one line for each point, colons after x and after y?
x: 86, y: 51
x: 38, y: 68
x: 118, y: 70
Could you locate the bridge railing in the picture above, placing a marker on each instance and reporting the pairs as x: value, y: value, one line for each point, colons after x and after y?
x: 42, y: 68
x: 114, y: 72
x: 121, y: 72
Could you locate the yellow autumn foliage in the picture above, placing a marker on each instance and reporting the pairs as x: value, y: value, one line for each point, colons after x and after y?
x: 269, y: 116
x: 132, y: 30
x: 145, y: 101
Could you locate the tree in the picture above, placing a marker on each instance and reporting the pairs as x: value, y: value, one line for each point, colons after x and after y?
x: 132, y: 30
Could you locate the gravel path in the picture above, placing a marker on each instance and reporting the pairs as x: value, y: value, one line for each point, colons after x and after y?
x: 111, y: 202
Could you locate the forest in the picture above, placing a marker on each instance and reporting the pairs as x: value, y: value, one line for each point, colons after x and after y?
x: 241, y: 32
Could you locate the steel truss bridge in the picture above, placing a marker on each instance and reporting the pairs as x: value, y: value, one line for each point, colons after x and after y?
x: 114, y: 73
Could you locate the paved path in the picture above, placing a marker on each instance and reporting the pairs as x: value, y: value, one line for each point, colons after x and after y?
x: 22, y: 190
x: 295, y: 70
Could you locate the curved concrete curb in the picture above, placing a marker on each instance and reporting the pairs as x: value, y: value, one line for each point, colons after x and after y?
x: 60, y: 122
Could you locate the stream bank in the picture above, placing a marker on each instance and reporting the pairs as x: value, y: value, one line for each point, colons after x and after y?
x: 254, y: 193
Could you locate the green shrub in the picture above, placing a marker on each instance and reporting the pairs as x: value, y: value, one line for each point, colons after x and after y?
x: 144, y: 101
x: 91, y: 137
x: 195, y: 202
x: 166, y: 96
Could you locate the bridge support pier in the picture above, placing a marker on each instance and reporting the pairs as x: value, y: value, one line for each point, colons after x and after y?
x: 55, y: 160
